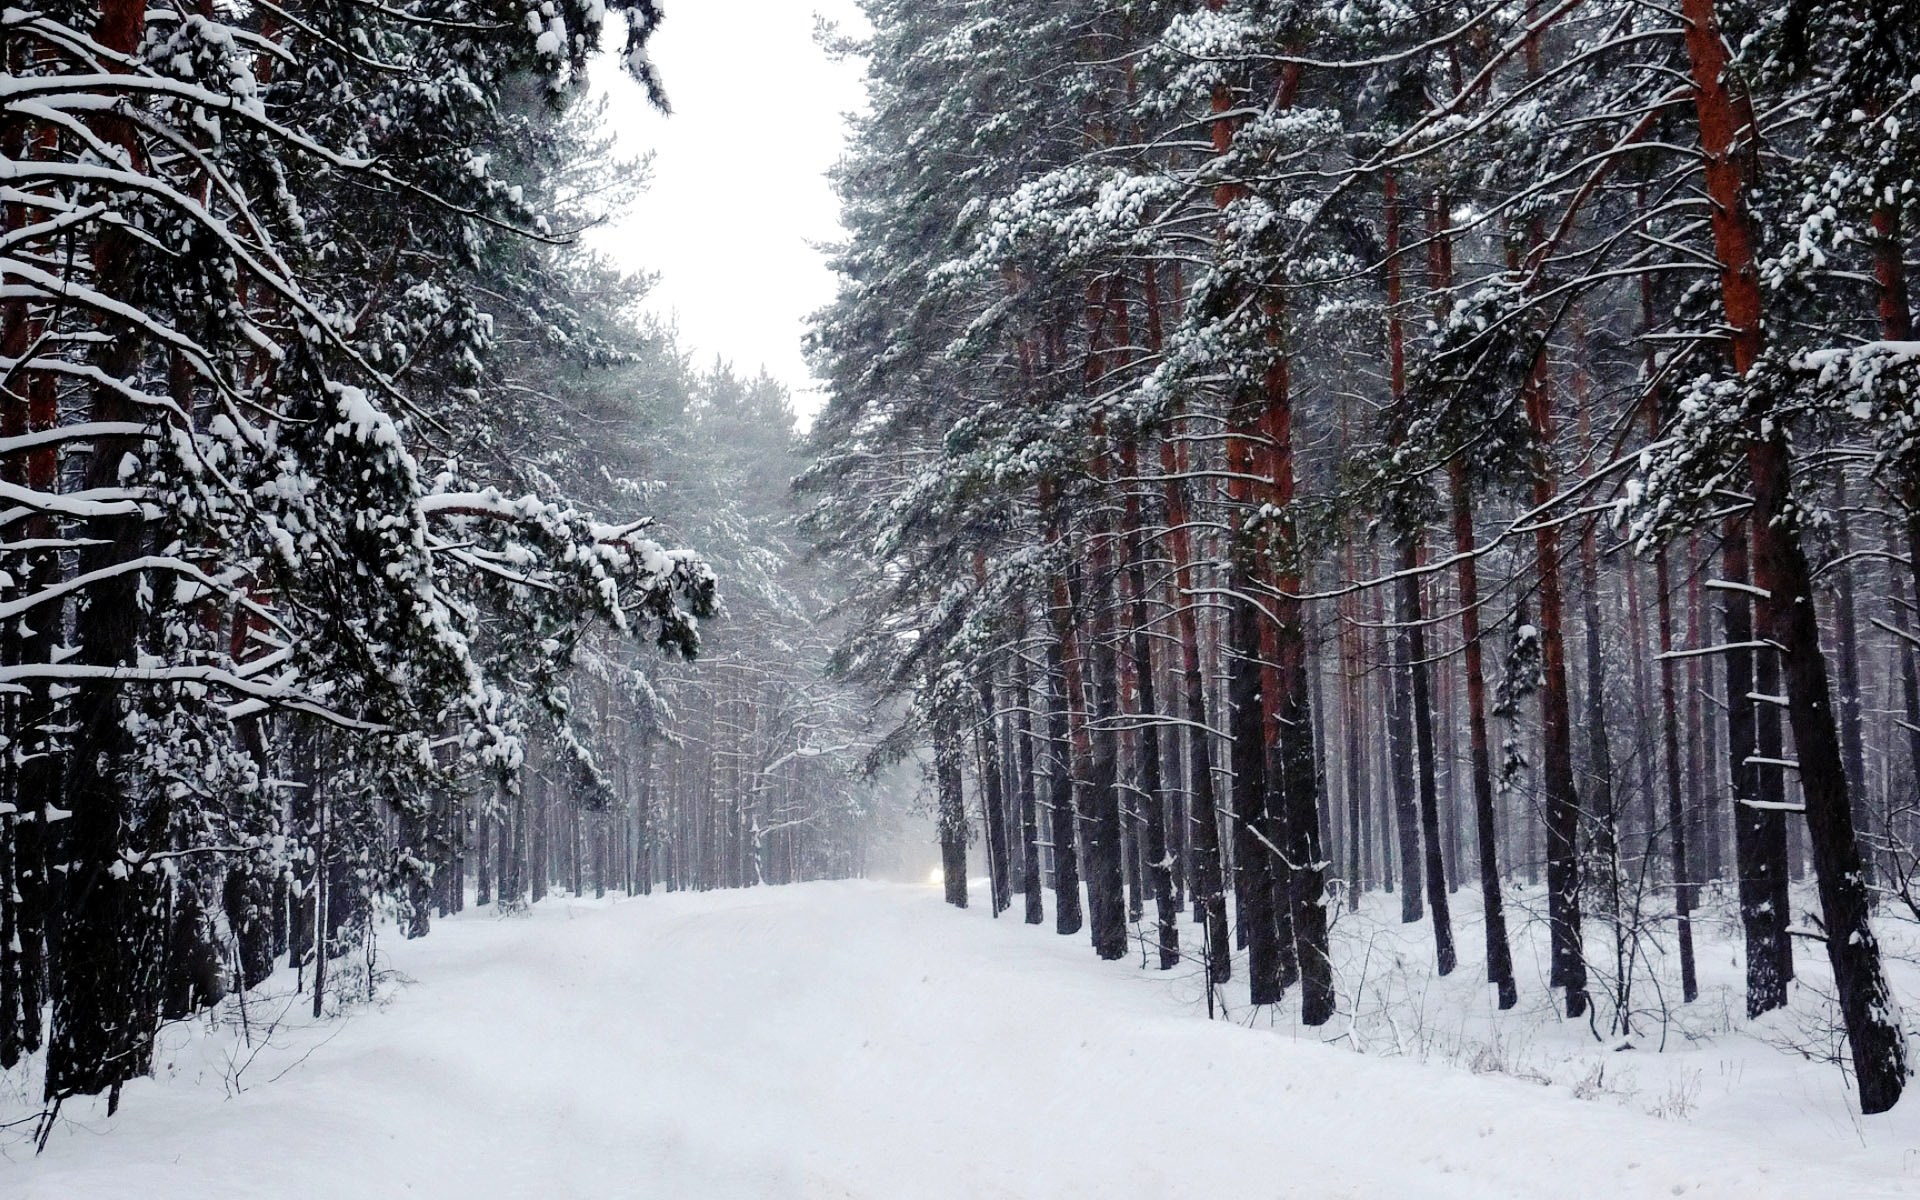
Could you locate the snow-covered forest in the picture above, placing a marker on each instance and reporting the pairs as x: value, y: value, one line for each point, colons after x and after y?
x: 1398, y: 523
x: 349, y: 542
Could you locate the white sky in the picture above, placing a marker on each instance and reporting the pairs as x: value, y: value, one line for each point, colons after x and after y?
x: 739, y: 197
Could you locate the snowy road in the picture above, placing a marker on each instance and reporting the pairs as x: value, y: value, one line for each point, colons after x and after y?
x: 846, y: 1040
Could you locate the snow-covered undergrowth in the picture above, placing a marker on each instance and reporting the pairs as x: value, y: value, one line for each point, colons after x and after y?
x: 866, y: 1040
x: 1782, y: 1078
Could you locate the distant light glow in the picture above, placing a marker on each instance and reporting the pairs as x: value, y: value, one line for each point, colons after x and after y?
x: 936, y: 877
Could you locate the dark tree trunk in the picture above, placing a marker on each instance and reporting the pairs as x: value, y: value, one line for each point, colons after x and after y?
x: 576, y: 849
x: 1467, y: 574
x: 1060, y: 790
x: 1486, y: 829
x: 1789, y: 619
x: 1203, y: 822
x: 1704, y: 731
x: 1846, y: 626
x: 952, y: 819
x: 1027, y: 797
x: 1153, y: 817
x: 1356, y: 765
x: 1272, y: 833
x: 993, y: 802
x: 538, y: 815
x: 1759, y: 822
x: 1358, y: 803
x: 1569, y: 964
x: 1400, y: 765
x: 1683, y: 871
x: 1106, y: 893
x: 513, y: 848
x: 1908, y: 653
x: 1412, y: 612
x: 29, y: 772
x: 644, y: 818
x: 1253, y: 863
x: 114, y: 934
x: 192, y: 976
x: 248, y: 896
x: 1418, y: 696
x: 1386, y: 693
x: 1603, y: 790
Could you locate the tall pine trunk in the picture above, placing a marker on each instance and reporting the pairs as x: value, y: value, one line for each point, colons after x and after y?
x: 1027, y: 798
x: 1413, y: 631
x: 1569, y: 964
x: 1467, y: 575
x: 1062, y: 815
x: 1485, y: 819
x: 951, y: 811
x: 1788, y: 613
x: 1105, y: 876
x: 113, y: 923
x: 1153, y: 795
x: 1400, y: 763
x: 1203, y: 822
x: 1420, y: 688
x: 993, y: 798
x: 1300, y: 781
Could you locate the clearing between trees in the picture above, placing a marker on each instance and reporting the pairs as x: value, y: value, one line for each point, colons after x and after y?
x: 861, y: 1039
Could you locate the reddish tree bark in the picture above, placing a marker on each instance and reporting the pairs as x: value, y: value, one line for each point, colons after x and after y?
x: 1788, y: 613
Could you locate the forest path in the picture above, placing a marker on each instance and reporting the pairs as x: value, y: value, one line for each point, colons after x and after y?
x: 845, y: 1040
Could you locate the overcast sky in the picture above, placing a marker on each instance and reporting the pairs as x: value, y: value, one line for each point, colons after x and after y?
x: 739, y: 196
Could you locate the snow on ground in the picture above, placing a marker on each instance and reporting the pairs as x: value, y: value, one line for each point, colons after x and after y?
x: 1776, y: 1082
x: 864, y: 1040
